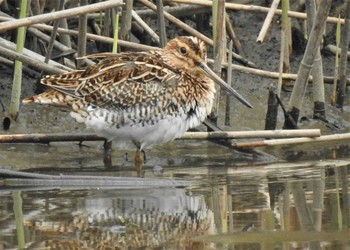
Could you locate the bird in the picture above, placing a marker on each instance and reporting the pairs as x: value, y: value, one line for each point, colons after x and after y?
x: 138, y: 99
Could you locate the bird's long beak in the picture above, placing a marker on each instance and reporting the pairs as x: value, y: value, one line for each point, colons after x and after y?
x: 224, y: 85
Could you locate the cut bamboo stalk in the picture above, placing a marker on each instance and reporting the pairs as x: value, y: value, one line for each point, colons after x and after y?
x: 217, y: 135
x: 251, y: 8
x: 286, y: 48
x: 17, y: 77
x: 59, y: 14
x: 319, y: 110
x: 299, y: 89
x: 125, y: 20
x: 272, y: 110
x: 219, y: 45
x: 291, y: 141
x: 267, y: 21
x: 344, y: 44
x: 82, y: 27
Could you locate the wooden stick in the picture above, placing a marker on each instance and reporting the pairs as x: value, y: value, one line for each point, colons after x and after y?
x: 217, y: 135
x: 267, y: 21
x: 290, y: 141
x: 251, y: 8
x: 59, y: 15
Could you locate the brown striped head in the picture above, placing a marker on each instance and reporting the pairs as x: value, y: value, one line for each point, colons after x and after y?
x: 185, y: 52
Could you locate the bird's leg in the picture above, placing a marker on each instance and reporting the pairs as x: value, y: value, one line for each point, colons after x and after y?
x: 144, y: 155
x: 138, y: 159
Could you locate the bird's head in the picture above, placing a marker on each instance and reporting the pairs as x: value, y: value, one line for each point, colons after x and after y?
x: 187, y: 53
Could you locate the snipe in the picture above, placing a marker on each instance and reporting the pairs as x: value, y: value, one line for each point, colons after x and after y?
x: 140, y: 98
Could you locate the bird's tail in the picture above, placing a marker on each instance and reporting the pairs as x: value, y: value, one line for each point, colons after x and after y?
x: 51, y: 97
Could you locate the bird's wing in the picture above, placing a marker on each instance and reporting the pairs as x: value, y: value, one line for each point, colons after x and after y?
x: 133, y: 82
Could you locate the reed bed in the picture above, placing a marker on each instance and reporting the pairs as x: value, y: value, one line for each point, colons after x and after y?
x: 64, y: 24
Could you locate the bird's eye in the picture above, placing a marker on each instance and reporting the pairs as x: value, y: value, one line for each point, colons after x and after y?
x: 183, y: 50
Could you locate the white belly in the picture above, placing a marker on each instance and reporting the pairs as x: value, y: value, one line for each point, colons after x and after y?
x: 144, y: 135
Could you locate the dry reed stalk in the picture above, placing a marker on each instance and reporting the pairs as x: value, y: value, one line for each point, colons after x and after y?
x: 299, y: 89
x: 59, y: 15
x: 344, y: 44
x: 252, y: 8
x: 268, y: 21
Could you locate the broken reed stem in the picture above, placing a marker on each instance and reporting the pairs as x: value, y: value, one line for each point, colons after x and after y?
x: 344, y: 43
x: 251, y: 8
x: 299, y: 89
x: 17, y: 77
x: 267, y: 22
x: 217, y: 135
x: 59, y: 15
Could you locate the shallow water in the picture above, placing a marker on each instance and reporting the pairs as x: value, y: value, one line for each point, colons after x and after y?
x: 261, y: 202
